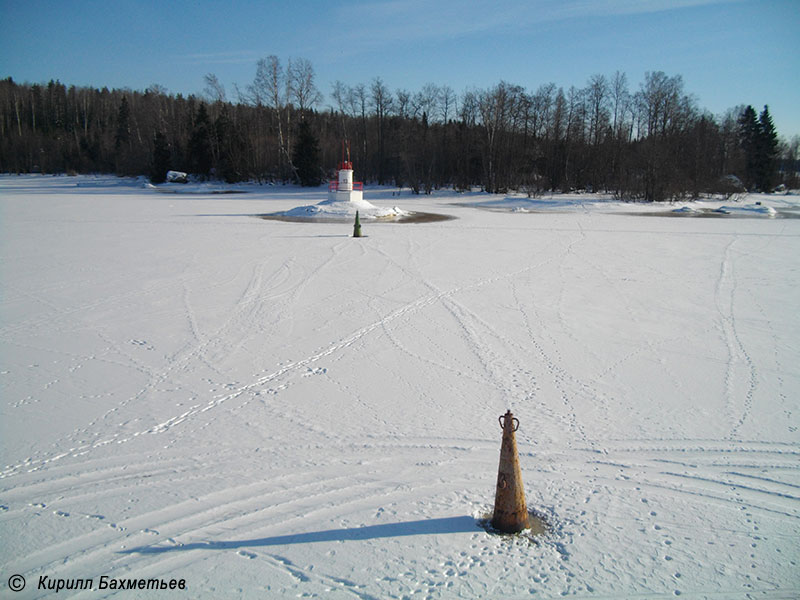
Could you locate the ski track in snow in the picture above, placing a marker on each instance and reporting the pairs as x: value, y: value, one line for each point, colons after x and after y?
x: 605, y: 495
x: 654, y: 473
x: 198, y: 347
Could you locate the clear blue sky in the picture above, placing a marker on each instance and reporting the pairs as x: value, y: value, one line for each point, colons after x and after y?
x: 729, y: 52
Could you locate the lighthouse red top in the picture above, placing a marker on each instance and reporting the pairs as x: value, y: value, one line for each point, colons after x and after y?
x: 344, y: 188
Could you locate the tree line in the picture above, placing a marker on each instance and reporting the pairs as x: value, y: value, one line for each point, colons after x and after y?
x: 652, y: 144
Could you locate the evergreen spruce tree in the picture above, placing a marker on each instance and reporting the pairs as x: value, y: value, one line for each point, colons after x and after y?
x: 759, y: 141
x: 766, y: 163
x: 200, y: 156
x: 306, y: 156
x: 122, y: 139
x: 229, y: 148
x: 748, y: 139
x: 123, y: 134
x: 161, y: 159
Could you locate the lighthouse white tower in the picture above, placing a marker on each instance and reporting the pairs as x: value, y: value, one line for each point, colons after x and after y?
x: 345, y: 199
x: 344, y: 189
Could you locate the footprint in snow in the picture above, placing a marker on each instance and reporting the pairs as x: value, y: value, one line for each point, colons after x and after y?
x: 317, y: 371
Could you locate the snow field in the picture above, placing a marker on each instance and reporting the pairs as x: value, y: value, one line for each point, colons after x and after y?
x: 276, y: 409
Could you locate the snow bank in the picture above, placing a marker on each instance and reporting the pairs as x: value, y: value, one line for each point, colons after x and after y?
x: 333, y: 210
x: 748, y: 209
x: 195, y: 188
x: 551, y: 202
x: 761, y: 205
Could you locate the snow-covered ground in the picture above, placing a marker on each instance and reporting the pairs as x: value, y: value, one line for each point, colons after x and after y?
x: 268, y: 409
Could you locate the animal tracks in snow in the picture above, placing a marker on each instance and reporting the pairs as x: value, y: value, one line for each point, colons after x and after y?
x: 741, y: 377
x: 245, y: 400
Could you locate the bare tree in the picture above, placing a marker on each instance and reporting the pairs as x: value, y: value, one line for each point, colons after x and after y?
x: 359, y: 101
x: 664, y: 113
x: 157, y: 88
x: 259, y: 92
x: 214, y: 90
x: 620, y: 99
x: 597, y: 99
x: 598, y: 118
x: 542, y: 105
x: 469, y: 108
x: 403, y: 103
x: 663, y: 106
x: 790, y: 159
x: 301, y: 87
x: 428, y: 99
x: 340, y: 95
x: 381, y: 100
x: 490, y: 105
x: 447, y: 103
x: 270, y: 88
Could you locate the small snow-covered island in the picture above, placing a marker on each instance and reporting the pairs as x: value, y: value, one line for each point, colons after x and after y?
x: 345, y: 197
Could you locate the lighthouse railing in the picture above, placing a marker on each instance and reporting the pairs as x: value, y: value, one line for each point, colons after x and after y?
x: 333, y: 186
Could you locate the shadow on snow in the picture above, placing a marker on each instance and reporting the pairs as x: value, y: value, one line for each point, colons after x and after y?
x: 370, y: 532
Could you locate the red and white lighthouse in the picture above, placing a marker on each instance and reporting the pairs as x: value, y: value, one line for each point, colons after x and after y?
x: 343, y: 188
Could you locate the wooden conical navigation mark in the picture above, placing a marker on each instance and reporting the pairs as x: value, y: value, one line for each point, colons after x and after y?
x: 510, y: 511
x: 357, y: 227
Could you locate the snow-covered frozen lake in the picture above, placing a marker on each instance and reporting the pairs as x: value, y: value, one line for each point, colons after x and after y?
x: 268, y: 409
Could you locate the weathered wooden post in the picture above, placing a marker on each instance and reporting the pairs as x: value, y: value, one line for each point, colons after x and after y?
x: 357, y: 227
x: 510, y: 511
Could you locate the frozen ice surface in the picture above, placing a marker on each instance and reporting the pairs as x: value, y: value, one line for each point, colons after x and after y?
x: 271, y: 409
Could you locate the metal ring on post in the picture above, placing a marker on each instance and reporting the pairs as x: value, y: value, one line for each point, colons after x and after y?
x: 514, y: 422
